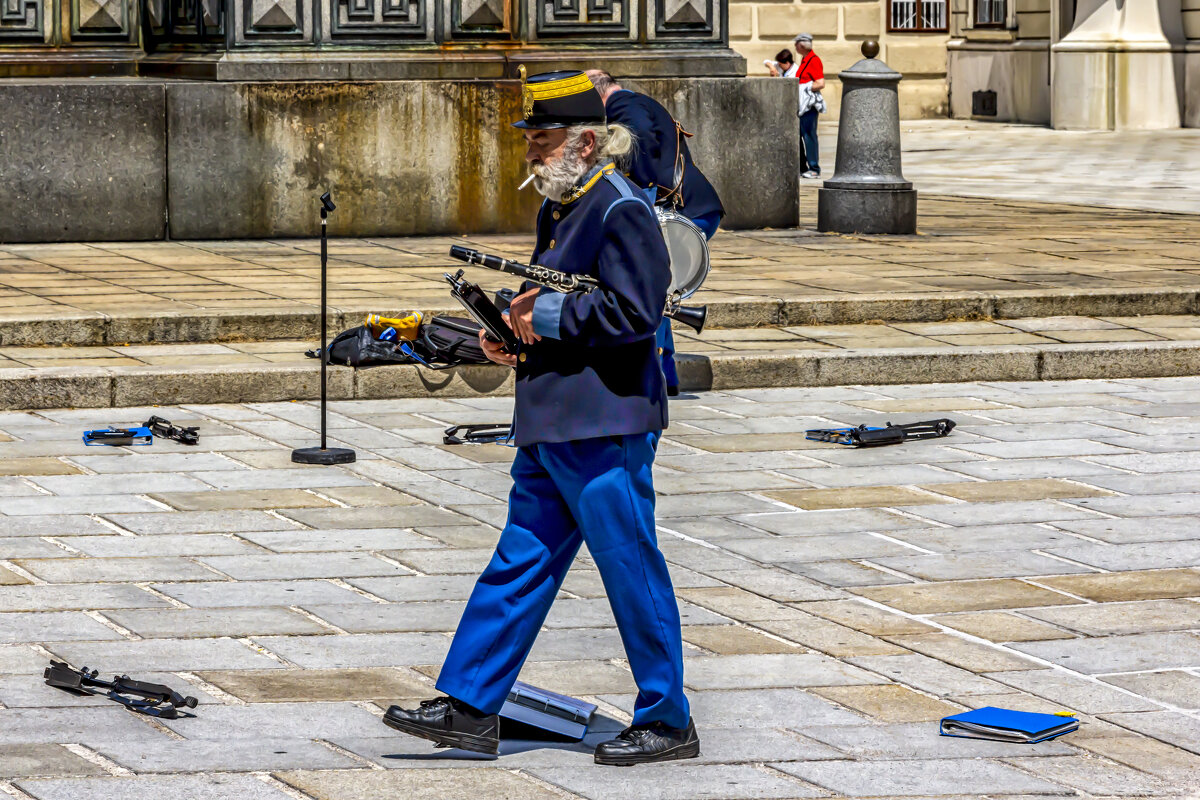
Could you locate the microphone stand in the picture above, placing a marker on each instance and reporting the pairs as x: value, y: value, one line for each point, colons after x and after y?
x: 323, y: 454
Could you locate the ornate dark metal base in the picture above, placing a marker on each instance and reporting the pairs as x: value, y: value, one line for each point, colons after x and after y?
x: 330, y: 455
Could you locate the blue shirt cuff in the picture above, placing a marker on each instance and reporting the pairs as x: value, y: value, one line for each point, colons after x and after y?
x: 547, y: 313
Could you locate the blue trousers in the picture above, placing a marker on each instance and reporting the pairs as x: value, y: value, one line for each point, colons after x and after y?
x: 599, y: 491
x: 810, y: 154
x: 664, y: 338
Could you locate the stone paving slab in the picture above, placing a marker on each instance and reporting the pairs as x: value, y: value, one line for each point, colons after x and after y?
x: 704, y: 783
x: 51, y: 760
x: 855, y: 627
x: 196, y: 787
x: 920, y: 778
x: 451, y: 784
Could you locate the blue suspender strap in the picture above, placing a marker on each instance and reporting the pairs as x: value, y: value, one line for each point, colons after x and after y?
x: 627, y: 194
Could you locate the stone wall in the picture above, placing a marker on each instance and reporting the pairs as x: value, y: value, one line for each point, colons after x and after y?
x: 758, y: 30
x: 129, y: 159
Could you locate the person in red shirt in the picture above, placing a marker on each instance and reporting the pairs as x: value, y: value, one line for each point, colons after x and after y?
x: 809, y: 70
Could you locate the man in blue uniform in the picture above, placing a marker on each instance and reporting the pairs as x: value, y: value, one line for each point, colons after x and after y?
x: 590, y: 407
x: 662, y: 165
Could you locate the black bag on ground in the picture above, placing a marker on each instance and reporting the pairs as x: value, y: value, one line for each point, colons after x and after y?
x: 441, y: 343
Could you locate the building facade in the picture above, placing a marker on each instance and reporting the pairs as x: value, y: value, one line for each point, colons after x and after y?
x: 912, y: 35
x: 1073, y: 64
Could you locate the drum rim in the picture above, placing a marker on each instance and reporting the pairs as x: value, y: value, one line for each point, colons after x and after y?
x: 697, y: 281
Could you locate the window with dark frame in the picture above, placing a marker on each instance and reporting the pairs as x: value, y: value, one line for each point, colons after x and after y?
x: 919, y: 15
x: 991, y: 13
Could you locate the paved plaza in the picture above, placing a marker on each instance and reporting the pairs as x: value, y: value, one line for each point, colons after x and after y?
x: 836, y: 602
x: 978, y: 246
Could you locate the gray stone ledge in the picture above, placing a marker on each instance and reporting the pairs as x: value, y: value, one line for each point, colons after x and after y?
x: 55, y: 387
x: 298, y: 322
x: 1095, y: 302
x: 1119, y: 360
x: 63, y: 387
x: 138, y: 386
x: 80, y: 328
x: 927, y: 365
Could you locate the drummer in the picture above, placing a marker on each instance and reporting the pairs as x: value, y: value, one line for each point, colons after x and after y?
x: 660, y: 146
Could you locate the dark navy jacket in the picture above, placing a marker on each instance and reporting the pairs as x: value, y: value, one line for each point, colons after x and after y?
x: 653, y: 161
x: 596, y: 372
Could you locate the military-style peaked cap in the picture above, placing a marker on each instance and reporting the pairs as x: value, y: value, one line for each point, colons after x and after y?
x: 559, y: 99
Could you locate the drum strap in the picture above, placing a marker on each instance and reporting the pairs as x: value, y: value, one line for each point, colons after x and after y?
x: 675, y: 196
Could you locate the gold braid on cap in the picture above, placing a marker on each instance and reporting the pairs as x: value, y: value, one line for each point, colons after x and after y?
x: 526, y: 94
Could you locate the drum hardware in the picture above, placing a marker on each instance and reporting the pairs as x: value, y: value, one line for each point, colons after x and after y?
x: 692, y: 316
x: 865, y: 436
x: 687, y: 247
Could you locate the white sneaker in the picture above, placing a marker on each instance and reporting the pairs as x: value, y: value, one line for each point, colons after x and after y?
x: 810, y: 174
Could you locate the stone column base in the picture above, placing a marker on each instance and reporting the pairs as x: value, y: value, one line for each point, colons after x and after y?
x: 867, y: 210
x: 1116, y: 86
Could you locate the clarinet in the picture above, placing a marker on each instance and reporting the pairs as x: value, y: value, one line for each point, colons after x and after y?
x: 560, y: 281
x: 554, y: 279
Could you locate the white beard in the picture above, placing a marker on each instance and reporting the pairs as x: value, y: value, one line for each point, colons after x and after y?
x: 553, y: 179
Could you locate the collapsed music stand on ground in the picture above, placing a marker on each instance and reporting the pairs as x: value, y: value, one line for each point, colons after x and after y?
x: 324, y: 454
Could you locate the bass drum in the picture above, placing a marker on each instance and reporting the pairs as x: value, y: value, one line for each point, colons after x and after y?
x: 688, y: 249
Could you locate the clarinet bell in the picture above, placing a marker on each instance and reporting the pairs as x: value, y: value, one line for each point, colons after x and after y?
x: 692, y: 316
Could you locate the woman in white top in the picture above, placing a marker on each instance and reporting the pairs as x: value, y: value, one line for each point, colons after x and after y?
x: 784, y: 65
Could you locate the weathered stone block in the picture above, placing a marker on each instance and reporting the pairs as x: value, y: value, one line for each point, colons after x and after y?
x: 892, y: 307
x: 218, y: 325
x: 1034, y: 25
x: 227, y: 384
x: 250, y: 159
x: 1128, y: 360
x: 926, y: 366
x: 55, y: 387
x: 861, y: 20
x: 83, y: 160
x: 923, y: 98
x: 922, y: 58
x: 867, y: 211
x: 760, y: 185
x: 784, y: 22
x: 81, y: 328
x: 740, y: 21
x: 404, y: 381
x: 750, y: 371
x: 1096, y: 303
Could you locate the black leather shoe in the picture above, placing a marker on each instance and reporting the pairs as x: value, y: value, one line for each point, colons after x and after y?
x: 672, y: 391
x: 448, y: 723
x: 645, y: 744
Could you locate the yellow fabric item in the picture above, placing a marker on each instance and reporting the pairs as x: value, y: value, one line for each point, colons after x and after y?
x: 406, y: 326
x: 561, y: 87
x: 580, y: 191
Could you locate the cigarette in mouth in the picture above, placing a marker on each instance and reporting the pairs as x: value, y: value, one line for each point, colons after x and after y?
x: 527, y: 182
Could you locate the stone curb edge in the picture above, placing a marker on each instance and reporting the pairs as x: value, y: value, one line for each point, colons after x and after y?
x: 112, y: 387
x: 211, y: 325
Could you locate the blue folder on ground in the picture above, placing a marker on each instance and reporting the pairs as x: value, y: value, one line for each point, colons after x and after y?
x: 1003, y: 725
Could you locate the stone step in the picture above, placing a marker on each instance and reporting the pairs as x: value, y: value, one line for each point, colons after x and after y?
x: 750, y: 366
x: 281, y: 322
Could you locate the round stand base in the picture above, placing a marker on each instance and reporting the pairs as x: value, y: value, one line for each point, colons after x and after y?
x: 330, y: 455
x: 867, y: 210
